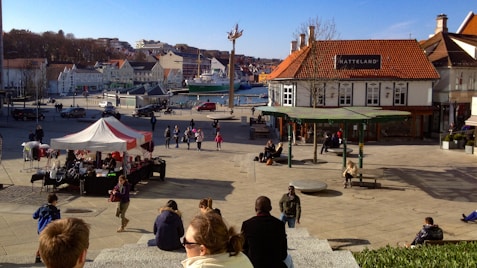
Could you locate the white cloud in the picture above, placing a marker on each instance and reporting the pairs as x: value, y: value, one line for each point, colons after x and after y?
x: 401, y: 30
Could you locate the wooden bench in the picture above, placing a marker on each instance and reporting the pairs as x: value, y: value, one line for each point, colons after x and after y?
x: 368, y: 174
x: 339, y: 151
x: 445, y: 242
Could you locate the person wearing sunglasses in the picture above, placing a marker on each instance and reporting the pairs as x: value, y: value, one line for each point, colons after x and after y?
x: 209, y: 243
x: 290, y: 207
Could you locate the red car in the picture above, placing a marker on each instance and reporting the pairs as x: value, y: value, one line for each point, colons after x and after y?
x: 210, y: 106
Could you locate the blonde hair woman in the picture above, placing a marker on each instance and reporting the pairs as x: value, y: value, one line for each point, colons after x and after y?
x: 350, y: 172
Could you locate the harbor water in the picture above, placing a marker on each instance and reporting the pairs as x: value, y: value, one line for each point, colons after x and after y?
x: 245, y: 97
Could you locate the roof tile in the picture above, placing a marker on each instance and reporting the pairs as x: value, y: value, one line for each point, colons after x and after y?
x: 400, y: 59
x: 443, y: 50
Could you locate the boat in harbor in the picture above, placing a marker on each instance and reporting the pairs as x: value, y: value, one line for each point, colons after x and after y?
x: 244, y: 85
x: 211, y: 82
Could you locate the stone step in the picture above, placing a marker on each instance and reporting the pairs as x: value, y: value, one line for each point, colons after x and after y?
x: 305, y: 250
x: 146, y: 257
x: 308, y: 244
x: 333, y: 259
x: 137, y: 255
x: 297, y: 232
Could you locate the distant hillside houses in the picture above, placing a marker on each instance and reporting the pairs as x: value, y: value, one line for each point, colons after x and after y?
x: 151, y: 63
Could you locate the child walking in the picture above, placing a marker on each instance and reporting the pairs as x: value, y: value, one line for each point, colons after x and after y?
x: 46, y: 214
x: 219, y: 140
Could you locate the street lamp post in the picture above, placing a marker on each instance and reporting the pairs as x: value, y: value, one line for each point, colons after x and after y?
x: 232, y: 36
x: 37, y: 105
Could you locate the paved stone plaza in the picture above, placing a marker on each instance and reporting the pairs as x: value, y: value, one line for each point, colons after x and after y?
x: 420, y: 180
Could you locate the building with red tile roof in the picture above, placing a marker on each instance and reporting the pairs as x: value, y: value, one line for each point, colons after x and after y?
x: 392, y: 74
x: 399, y: 60
x: 454, y: 56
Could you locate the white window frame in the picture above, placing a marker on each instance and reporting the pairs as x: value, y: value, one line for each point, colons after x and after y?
x: 288, y: 95
x: 346, y: 94
x: 372, y: 94
x: 400, y: 94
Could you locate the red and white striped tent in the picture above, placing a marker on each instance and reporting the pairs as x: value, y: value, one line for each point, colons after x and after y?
x: 105, y: 135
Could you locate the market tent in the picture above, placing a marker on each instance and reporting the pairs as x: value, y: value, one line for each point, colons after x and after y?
x: 106, y: 134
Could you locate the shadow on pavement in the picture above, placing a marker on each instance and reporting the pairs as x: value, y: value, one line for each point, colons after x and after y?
x: 339, y: 243
x: 325, y: 193
x: 453, y: 184
x: 173, y: 188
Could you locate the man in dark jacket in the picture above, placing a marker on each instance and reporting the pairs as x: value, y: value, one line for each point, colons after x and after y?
x: 429, y: 231
x: 265, y: 238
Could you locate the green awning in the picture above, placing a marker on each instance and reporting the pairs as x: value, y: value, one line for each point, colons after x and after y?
x: 334, y: 115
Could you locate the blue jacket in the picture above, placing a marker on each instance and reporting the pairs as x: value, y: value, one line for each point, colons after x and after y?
x: 46, y: 214
x: 168, y: 229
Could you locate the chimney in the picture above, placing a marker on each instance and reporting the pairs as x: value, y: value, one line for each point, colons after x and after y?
x: 441, y: 25
x: 311, y: 34
x: 293, y: 46
x: 302, y: 40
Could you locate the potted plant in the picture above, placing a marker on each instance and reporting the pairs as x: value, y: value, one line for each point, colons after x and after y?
x: 448, y: 142
x: 459, y: 140
x: 469, y: 147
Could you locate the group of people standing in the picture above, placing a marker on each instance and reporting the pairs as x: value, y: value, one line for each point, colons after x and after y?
x: 191, y: 134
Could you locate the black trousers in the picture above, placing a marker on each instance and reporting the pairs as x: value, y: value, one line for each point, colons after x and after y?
x: 348, y: 177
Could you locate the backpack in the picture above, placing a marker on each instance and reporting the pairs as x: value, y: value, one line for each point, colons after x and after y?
x: 434, y: 233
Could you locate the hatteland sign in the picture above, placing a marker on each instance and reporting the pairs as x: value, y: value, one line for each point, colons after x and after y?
x: 355, y: 62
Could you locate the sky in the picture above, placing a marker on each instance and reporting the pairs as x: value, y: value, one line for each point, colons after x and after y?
x: 268, y: 26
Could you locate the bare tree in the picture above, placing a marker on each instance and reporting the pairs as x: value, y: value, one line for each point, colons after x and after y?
x: 323, y: 30
x: 315, y: 30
